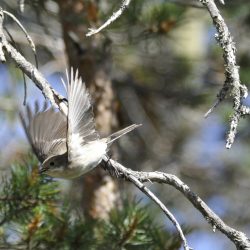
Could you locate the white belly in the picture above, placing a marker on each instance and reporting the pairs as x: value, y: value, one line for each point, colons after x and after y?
x: 86, y: 158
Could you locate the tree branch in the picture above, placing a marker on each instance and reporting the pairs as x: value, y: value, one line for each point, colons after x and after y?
x: 28, y: 69
x: 240, y: 240
x: 152, y: 196
x: 232, y: 85
x: 115, y: 15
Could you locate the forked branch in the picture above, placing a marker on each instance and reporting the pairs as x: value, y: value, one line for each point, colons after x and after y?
x: 240, y: 240
x: 232, y: 85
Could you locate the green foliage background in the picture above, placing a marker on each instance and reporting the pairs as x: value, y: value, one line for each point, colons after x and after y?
x: 35, y: 215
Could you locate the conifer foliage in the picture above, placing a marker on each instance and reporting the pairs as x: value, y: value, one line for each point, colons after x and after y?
x: 35, y: 215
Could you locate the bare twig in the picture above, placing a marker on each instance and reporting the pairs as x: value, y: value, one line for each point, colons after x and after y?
x: 56, y: 99
x: 114, y: 170
x: 238, y: 238
x: 152, y: 196
x: 24, y: 79
x: 212, y: 108
x: 25, y: 89
x: 115, y: 15
x: 31, y: 71
x: 29, y: 39
x: 232, y: 85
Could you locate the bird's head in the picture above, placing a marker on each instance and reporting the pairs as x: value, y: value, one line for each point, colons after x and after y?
x: 55, y: 165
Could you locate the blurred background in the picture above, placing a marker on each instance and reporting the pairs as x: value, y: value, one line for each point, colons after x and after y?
x: 158, y: 65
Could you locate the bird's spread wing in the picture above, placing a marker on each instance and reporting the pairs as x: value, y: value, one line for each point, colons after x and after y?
x: 46, y: 131
x: 81, y: 124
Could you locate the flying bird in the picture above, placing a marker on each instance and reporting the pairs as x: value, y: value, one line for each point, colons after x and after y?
x: 68, y: 146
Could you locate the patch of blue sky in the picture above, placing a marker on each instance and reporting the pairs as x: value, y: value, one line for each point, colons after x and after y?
x: 219, y: 204
x: 4, y: 79
x: 204, y: 240
x: 10, y: 129
x: 206, y: 145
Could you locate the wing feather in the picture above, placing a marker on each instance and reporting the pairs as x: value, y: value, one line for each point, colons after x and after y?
x: 46, y: 131
x: 81, y: 122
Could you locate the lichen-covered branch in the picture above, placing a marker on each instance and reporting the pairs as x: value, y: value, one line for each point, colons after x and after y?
x: 232, y: 85
x: 240, y: 240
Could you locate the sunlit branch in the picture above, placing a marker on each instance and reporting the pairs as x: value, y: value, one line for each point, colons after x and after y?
x: 115, y: 15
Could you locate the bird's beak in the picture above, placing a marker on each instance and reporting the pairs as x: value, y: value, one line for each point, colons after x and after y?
x: 42, y: 170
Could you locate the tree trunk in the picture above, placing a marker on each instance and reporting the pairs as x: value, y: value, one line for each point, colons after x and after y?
x: 92, y: 58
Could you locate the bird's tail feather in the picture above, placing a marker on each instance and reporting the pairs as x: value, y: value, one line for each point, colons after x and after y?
x: 121, y: 132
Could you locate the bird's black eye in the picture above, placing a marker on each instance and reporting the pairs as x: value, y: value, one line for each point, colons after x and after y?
x: 52, y: 163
